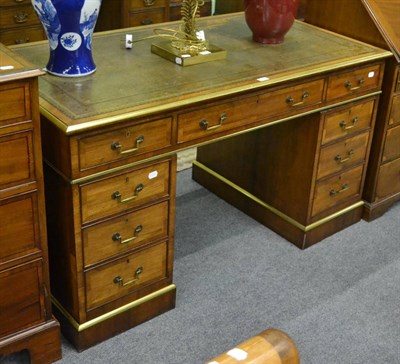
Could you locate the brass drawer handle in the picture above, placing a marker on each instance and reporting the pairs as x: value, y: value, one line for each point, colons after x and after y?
x: 204, y: 123
x: 149, y: 2
x: 118, y: 146
x: 118, y: 238
x: 304, y: 96
x: 120, y: 281
x: 340, y: 159
x: 344, y: 125
x: 22, y: 41
x: 117, y: 195
x: 19, y: 1
x: 344, y: 187
x: 147, y: 21
x: 350, y: 87
x: 21, y: 17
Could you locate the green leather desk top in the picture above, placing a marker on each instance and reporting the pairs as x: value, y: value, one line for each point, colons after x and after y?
x: 135, y: 82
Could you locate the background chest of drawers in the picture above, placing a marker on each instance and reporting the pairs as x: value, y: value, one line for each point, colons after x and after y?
x: 26, y: 322
x: 19, y: 23
x: 375, y: 22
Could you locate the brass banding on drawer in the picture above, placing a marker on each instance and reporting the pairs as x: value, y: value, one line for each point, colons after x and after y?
x: 345, y: 121
x: 352, y: 82
x: 226, y: 116
x: 121, y: 192
x: 342, y: 154
x: 121, y: 277
x: 337, y: 190
x: 130, y: 141
x: 107, y: 239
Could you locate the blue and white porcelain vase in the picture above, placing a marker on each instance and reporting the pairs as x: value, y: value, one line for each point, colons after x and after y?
x: 69, y: 26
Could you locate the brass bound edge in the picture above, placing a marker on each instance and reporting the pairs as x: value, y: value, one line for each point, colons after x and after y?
x: 275, y: 211
x: 108, y: 315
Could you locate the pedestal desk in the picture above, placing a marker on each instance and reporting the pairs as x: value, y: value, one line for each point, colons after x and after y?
x: 291, y: 129
x: 376, y: 22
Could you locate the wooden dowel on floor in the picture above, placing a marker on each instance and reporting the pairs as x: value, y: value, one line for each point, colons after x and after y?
x: 268, y: 347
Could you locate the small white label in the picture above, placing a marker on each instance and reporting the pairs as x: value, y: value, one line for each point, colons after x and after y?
x: 237, y: 354
x: 200, y: 35
x: 153, y: 174
x: 6, y: 68
x: 371, y: 74
x: 204, y: 53
x: 128, y: 41
x: 185, y: 55
x: 262, y: 79
x: 178, y: 60
x: 213, y: 362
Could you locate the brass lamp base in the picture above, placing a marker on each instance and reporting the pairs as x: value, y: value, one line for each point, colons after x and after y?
x: 167, y: 51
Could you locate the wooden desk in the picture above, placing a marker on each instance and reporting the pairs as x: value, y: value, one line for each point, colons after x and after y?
x: 110, y: 140
x: 26, y: 321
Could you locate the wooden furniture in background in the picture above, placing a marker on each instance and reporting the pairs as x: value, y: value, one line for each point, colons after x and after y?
x: 175, y: 9
x: 144, y: 12
x: 268, y: 347
x: 19, y: 23
x: 26, y: 322
x: 376, y: 22
x: 228, y: 6
x: 110, y: 145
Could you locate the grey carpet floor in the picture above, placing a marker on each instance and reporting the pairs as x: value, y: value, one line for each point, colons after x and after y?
x: 339, y: 300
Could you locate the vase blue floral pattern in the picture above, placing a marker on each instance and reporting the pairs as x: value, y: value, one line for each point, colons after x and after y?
x: 69, y: 25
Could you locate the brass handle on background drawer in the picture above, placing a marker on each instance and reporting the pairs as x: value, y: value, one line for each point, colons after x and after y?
x: 146, y: 21
x: 304, y: 96
x: 344, y: 187
x: 19, y: 1
x: 204, y: 123
x: 117, y: 236
x: 149, y: 2
x: 117, y: 195
x: 22, y: 41
x: 350, y: 87
x: 339, y: 159
x: 118, y: 146
x: 21, y: 17
x: 343, y: 124
x: 120, y: 281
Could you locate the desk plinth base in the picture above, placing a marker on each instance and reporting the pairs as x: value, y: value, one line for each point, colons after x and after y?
x: 43, y: 342
x: 85, y: 337
x: 302, y: 238
x: 373, y: 210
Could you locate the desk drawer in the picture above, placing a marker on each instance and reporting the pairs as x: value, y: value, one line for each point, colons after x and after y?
x: 342, y: 155
x: 147, y: 17
x: 22, y: 35
x: 19, y: 230
x: 229, y: 115
x: 395, y: 111
x: 123, y: 143
x: 22, y: 288
x: 389, y: 179
x: 392, y: 144
x: 337, y: 189
x: 141, y: 4
x: 125, y: 191
x: 353, y: 82
x: 16, y: 161
x: 119, y: 235
x: 126, y: 275
x: 14, y: 103
x: 347, y: 120
x: 19, y: 16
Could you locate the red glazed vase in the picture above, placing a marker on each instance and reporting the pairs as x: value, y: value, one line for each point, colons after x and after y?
x: 270, y: 20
